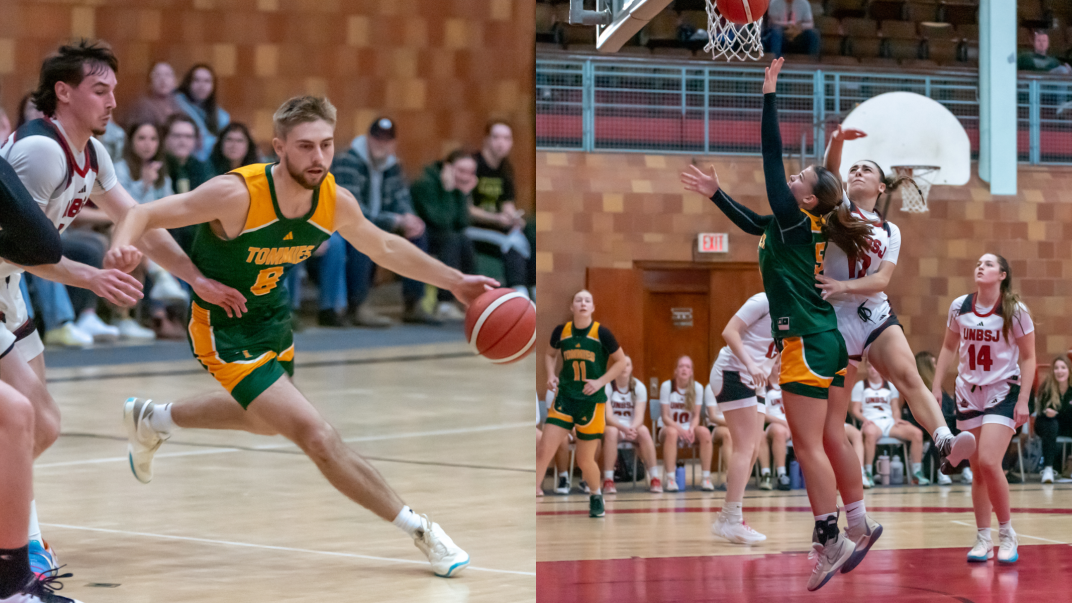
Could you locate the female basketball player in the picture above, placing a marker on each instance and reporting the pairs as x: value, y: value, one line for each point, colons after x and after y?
x: 991, y: 329
x: 791, y: 250
x: 741, y: 368
x: 681, y: 399
x: 876, y: 403
x: 1054, y: 408
x: 627, y: 403
x: 584, y: 346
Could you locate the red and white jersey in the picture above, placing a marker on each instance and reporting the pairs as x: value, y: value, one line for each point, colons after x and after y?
x: 773, y: 398
x: 885, y: 242
x: 58, y: 177
x: 877, y: 400
x: 985, y: 356
x: 623, y: 403
x: 669, y: 395
x: 756, y: 338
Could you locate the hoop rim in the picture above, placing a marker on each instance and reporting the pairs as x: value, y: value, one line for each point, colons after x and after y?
x: 917, y: 167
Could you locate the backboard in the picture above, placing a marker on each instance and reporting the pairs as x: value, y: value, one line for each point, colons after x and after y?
x: 616, y: 20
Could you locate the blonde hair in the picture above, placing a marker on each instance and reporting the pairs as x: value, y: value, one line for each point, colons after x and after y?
x: 1049, y: 394
x: 925, y: 366
x: 300, y: 110
x: 690, y: 389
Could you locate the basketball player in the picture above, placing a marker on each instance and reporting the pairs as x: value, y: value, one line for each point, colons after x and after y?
x: 627, y: 403
x: 876, y: 403
x: 63, y: 167
x: 992, y: 331
x: 777, y: 433
x: 742, y: 367
x: 682, y: 408
x: 804, y: 326
x: 255, y: 224
x: 585, y: 347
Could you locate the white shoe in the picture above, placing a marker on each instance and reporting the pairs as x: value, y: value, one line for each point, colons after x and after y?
x: 143, y: 440
x: 966, y: 476
x: 863, y: 536
x: 943, y: 479
x: 867, y: 482
x: 130, y: 329
x: 671, y: 484
x: 983, y: 549
x: 447, y: 558
x: 707, y: 486
x: 167, y: 288
x: 1007, y: 549
x: 449, y: 311
x: 737, y: 533
x: 92, y: 325
x: 828, y: 560
x: 68, y: 336
x: 1047, y: 475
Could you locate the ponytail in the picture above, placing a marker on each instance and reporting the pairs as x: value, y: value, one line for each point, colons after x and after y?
x: 690, y: 395
x: 925, y: 367
x: 1010, y: 301
x: 838, y: 224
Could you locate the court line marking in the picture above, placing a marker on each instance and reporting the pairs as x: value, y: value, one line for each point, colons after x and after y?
x: 1047, y: 511
x: 972, y: 525
x: 271, y: 547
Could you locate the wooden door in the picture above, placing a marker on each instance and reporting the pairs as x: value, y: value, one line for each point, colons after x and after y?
x: 676, y: 324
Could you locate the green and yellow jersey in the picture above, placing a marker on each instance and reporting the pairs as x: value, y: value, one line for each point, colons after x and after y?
x: 796, y: 305
x: 584, y: 352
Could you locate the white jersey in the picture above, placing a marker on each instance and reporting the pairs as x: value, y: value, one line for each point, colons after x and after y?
x: 877, y: 401
x: 885, y: 242
x: 623, y: 403
x: 59, y: 178
x: 756, y: 338
x: 675, y: 399
x: 985, y: 356
x: 775, y: 408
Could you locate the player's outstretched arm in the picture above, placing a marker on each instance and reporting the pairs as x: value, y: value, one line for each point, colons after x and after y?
x: 837, y: 142
x: 399, y: 255
x: 950, y: 347
x: 116, y: 286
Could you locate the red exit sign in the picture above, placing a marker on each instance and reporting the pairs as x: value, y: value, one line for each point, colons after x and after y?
x: 714, y: 242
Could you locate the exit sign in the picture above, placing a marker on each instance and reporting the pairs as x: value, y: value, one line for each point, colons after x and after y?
x: 713, y: 242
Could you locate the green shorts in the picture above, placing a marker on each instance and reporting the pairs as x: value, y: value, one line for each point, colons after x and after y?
x: 587, y: 415
x: 812, y: 364
x: 246, y: 355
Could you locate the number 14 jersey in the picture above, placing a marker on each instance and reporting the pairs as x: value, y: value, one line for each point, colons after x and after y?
x: 985, y: 356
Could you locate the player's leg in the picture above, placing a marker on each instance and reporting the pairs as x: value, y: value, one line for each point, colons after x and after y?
x: 730, y: 523
x: 994, y: 441
x: 707, y: 454
x: 908, y: 432
x: 16, y: 489
x: 984, y: 545
x: 856, y: 440
x: 669, y: 436
x: 586, y: 462
x: 563, y: 479
x: 779, y: 439
x: 610, y: 457
x: 589, y: 438
x: 553, y: 437
x: 871, y: 434
x: 26, y: 377
x: 647, y: 454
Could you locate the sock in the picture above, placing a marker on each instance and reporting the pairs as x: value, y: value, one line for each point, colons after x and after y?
x: 608, y: 475
x: 563, y: 475
x: 732, y: 510
x: 917, y: 468
x: 984, y: 533
x: 707, y: 475
x: 765, y: 471
x: 781, y: 471
x: 408, y: 521
x: 869, y: 469
x: 161, y: 419
x: 826, y: 529
x: 855, y: 513
x: 940, y: 435
x: 1005, y: 529
x: 14, y: 570
x: 656, y: 472
x: 597, y: 492
x: 35, y: 530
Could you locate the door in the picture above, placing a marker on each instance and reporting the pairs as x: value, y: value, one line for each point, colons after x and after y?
x: 676, y: 324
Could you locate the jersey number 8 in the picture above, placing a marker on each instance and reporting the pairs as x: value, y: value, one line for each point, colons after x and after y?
x: 267, y: 280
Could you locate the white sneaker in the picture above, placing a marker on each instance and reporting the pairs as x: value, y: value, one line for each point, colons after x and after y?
x: 68, y: 336
x: 966, y: 476
x: 828, y: 560
x: 863, y: 536
x: 1047, y: 475
x: 867, y: 482
x: 166, y: 288
x: 983, y: 549
x: 42, y: 590
x: 92, y: 325
x: 449, y: 311
x: 1007, y: 549
x: 143, y: 440
x: 943, y: 479
x: 447, y: 558
x: 737, y: 533
x: 130, y: 329
x: 707, y: 486
x: 671, y: 484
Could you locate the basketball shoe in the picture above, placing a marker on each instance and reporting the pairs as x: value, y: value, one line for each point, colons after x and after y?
x: 563, y: 485
x: 671, y: 483
x: 42, y: 590
x: 595, y: 506
x: 447, y: 558
x: 608, y: 487
x: 983, y: 549
x: 707, y: 486
x: 919, y: 479
x: 828, y: 560
x: 863, y: 536
x: 43, y: 559
x: 868, y: 484
x: 943, y: 479
x: 1007, y: 549
x: 656, y: 485
x: 955, y: 450
x: 143, y: 440
x: 765, y: 482
x: 734, y: 531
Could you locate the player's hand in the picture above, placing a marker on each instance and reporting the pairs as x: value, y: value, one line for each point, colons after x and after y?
x: 552, y: 383
x: 215, y: 292
x: 591, y: 386
x: 699, y: 181
x: 629, y: 433
x: 1049, y: 412
x: 758, y: 378
x: 1020, y: 413
x: 829, y: 286
x: 117, y: 287
x: 473, y: 286
x: 412, y: 226
x: 848, y: 133
x: 770, y: 77
x: 125, y: 258
x: 865, y: 424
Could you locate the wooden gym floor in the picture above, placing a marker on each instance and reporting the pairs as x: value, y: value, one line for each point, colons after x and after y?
x: 232, y: 517
x: 658, y: 547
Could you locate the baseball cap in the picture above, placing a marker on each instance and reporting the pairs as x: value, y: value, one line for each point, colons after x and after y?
x: 383, y: 129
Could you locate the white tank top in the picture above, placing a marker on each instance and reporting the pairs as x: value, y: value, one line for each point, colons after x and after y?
x: 623, y: 403
x: 985, y: 356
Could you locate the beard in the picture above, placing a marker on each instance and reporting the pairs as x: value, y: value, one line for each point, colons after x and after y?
x: 98, y: 131
x: 300, y: 178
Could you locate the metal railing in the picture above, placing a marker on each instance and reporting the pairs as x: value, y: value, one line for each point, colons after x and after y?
x: 598, y: 104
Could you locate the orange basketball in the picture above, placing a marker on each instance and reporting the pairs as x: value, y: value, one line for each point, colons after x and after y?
x: 742, y: 11
x: 501, y: 326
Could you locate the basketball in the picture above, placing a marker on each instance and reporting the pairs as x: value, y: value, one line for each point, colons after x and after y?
x: 742, y: 12
x: 501, y: 326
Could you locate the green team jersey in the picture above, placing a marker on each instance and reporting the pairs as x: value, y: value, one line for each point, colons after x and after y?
x: 270, y: 245
x: 584, y: 356
x: 796, y: 305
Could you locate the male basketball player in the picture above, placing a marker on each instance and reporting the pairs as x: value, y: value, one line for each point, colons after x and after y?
x: 257, y: 223
x: 63, y: 167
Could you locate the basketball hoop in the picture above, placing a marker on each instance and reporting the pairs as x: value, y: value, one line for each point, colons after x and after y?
x: 914, y: 195
x: 732, y: 41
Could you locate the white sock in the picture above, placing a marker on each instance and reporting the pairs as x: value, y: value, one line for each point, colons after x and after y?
x: 941, y: 434
x: 765, y: 471
x: 984, y: 533
x: 732, y: 510
x: 855, y: 512
x: 35, y: 530
x: 781, y: 471
x: 917, y: 468
x: 597, y: 492
x: 408, y: 521
x: 826, y: 516
x: 161, y: 419
x: 608, y: 475
x: 656, y: 472
x: 869, y: 470
x: 563, y: 474
x: 707, y: 475
x: 1005, y: 529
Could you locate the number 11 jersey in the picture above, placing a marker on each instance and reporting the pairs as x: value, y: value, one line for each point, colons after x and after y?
x: 985, y: 356
x: 585, y: 352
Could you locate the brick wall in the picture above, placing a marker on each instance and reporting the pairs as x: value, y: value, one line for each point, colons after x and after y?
x: 609, y: 210
x: 441, y: 69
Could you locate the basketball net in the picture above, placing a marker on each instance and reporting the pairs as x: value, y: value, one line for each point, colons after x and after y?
x: 731, y: 41
x: 914, y: 191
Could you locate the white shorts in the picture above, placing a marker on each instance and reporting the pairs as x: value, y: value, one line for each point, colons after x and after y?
x: 978, y: 405
x: 884, y: 422
x: 16, y: 325
x: 860, y: 326
x: 733, y: 389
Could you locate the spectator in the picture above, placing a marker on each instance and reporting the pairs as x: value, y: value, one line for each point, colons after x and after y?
x: 682, y: 402
x: 875, y: 402
x: 790, y: 27
x: 196, y: 96
x: 27, y: 111
x: 926, y: 363
x: 719, y: 428
x: 1053, y: 407
x: 113, y: 139
x: 1039, y: 59
x: 498, y: 225
x: 441, y: 198
x: 159, y: 104
x: 627, y: 403
x: 141, y: 171
x: 186, y: 172
x: 776, y: 434
x: 234, y: 148
x: 371, y: 171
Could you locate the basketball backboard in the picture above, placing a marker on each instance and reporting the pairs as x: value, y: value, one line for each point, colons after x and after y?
x: 616, y: 20
x: 904, y: 129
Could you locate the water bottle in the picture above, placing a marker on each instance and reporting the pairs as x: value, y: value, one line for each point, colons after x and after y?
x: 796, y: 478
x: 680, y: 476
x: 897, y: 471
x: 884, y: 470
